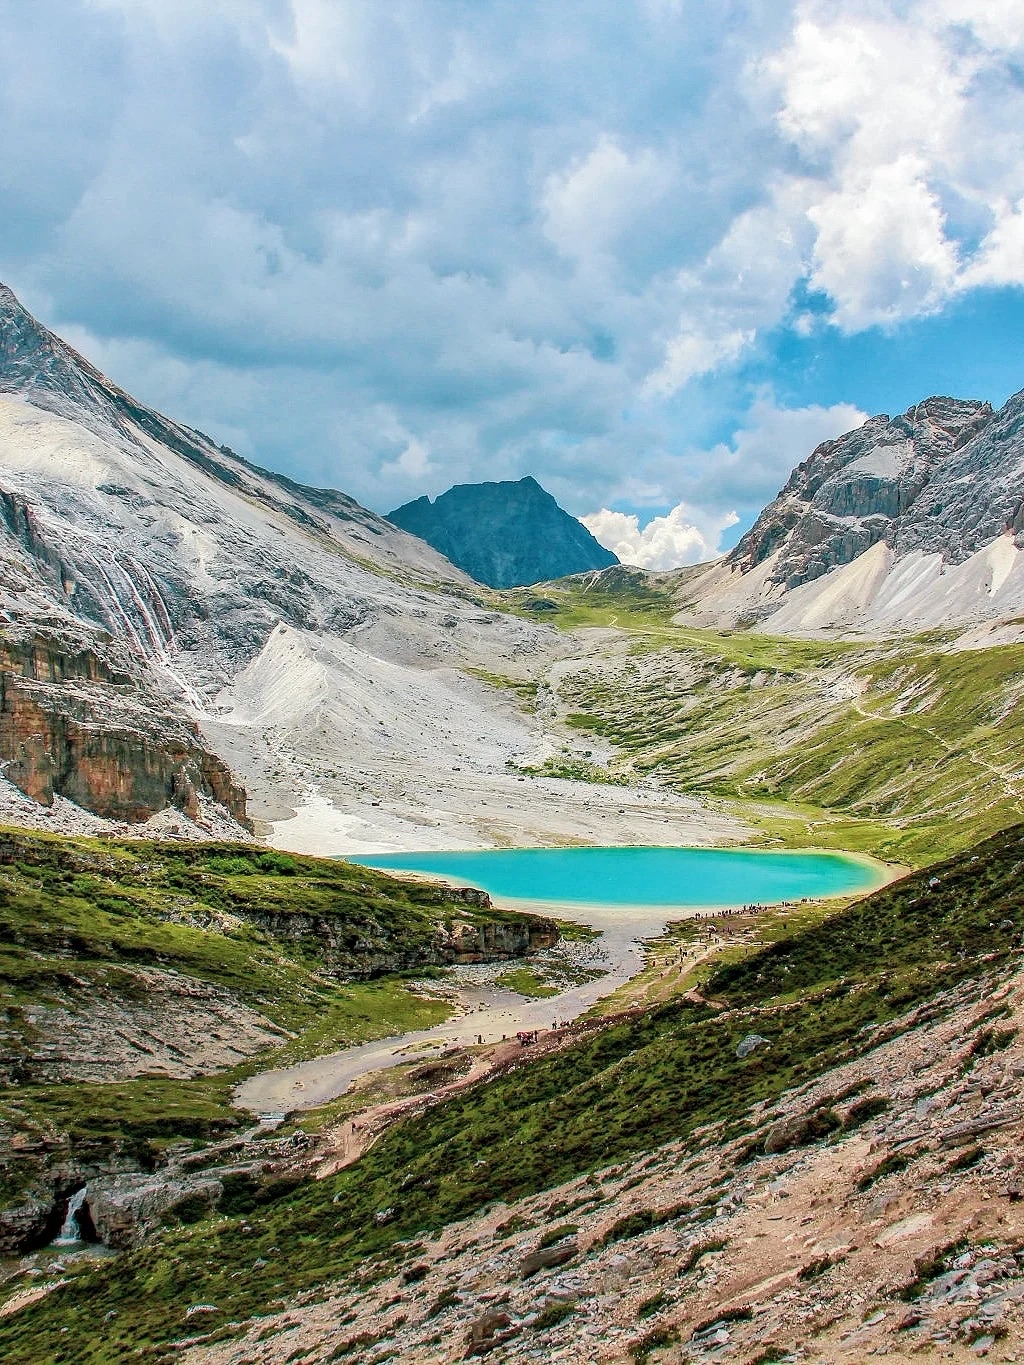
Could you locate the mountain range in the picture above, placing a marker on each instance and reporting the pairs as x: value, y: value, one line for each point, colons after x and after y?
x: 793, y: 1134
x: 184, y: 632
x: 194, y: 644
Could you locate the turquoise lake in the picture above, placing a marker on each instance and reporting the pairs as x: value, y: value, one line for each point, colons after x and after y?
x: 678, y: 877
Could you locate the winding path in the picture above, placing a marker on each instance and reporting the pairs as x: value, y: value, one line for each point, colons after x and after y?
x: 490, y: 1015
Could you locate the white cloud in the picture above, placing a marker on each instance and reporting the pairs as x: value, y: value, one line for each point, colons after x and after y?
x: 412, y: 464
x: 587, y: 207
x: 881, y: 253
x: 999, y: 24
x: 516, y: 231
x: 845, y: 92
x: 887, y: 106
x: 691, y: 354
x: 683, y: 536
x: 900, y: 111
x: 1000, y: 257
x: 741, y: 286
x: 754, y: 464
x: 746, y: 471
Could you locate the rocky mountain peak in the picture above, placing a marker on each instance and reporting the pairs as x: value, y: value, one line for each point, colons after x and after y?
x: 870, y: 485
x: 504, y: 534
x: 158, y: 546
x: 37, y: 364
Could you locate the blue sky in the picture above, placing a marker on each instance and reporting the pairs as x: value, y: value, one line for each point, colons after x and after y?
x: 651, y: 252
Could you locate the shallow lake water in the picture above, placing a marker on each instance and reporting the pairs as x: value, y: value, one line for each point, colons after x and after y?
x: 629, y: 897
x: 673, y: 877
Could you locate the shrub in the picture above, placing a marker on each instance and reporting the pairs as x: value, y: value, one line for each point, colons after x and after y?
x: 696, y: 1254
x: 895, y: 1161
x: 553, y: 1314
x: 555, y: 1235
x: 967, y: 1159
x: 654, y: 1340
x: 643, y: 1220
x: 930, y: 1267
x: 864, y: 1110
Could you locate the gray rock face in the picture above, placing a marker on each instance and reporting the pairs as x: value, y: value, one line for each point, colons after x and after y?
x: 126, y: 1209
x: 175, y: 558
x: 370, y: 952
x: 946, y: 476
x: 158, y: 535
x: 504, y: 534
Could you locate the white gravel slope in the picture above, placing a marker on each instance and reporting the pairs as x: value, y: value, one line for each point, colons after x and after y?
x: 344, y: 752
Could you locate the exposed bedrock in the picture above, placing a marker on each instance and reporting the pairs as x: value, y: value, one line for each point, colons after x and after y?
x: 78, y: 723
x: 943, y: 476
x: 355, y: 952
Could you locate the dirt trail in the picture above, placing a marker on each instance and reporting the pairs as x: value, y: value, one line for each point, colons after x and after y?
x: 344, y: 1143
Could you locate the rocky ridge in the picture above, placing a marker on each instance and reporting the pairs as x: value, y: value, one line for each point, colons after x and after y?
x: 899, y: 479
x: 505, y: 534
x: 176, y: 560
x: 908, y: 522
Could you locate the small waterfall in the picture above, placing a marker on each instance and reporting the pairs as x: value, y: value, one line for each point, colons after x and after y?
x: 70, y: 1233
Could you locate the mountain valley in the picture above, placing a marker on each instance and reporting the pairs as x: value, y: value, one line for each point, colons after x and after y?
x: 792, y: 1136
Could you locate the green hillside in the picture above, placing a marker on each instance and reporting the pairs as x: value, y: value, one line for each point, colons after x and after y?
x: 317, y: 946
x: 904, y: 749
x: 820, y: 997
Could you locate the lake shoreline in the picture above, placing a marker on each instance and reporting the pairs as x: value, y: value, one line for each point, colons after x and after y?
x: 488, y: 1015
x: 672, y: 875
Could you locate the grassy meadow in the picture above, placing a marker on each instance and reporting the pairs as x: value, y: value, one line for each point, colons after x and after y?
x: 904, y: 749
x: 77, y: 915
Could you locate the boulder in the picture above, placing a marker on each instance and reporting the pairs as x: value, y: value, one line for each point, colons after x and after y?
x: 126, y: 1209
x: 799, y: 1130
x: 546, y: 1257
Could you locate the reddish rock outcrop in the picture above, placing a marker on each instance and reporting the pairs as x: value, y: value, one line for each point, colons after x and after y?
x: 78, y: 724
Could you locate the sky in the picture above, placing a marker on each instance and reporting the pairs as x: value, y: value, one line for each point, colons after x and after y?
x: 651, y: 252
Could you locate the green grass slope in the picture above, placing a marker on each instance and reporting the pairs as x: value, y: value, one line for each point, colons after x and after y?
x: 77, y: 915
x: 820, y: 997
x: 905, y: 749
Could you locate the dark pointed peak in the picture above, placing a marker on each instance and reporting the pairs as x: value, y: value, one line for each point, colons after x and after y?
x: 504, y: 533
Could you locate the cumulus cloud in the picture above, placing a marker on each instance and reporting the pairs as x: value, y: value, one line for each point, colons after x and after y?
x: 690, y: 354
x: 588, y: 207
x: 754, y: 464
x: 393, y: 247
x: 885, y: 108
x: 747, y: 471
x: 881, y: 251
x: 682, y: 536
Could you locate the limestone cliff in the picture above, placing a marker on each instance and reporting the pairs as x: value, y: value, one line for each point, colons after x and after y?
x: 899, y: 479
x: 907, y: 523
x: 79, y: 720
